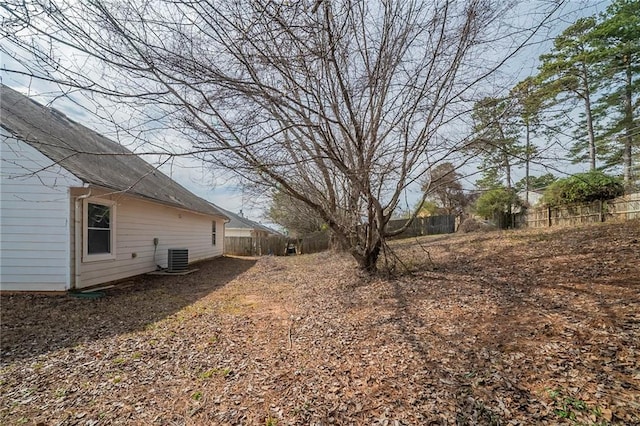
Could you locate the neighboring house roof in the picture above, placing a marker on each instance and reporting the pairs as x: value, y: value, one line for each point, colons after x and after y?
x: 240, y: 222
x: 90, y: 156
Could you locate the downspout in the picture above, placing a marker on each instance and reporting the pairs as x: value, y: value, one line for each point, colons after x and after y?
x: 224, y: 223
x: 77, y: 235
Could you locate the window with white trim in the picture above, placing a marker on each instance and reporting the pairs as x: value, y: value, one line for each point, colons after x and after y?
x: 99, y: 230
x: 213, y: 233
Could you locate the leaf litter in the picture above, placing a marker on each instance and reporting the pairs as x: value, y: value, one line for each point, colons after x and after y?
x: 501, y: 328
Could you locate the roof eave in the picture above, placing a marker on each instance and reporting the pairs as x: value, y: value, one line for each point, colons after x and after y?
x: 154, y: 200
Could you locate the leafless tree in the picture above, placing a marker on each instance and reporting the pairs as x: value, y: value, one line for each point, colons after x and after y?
x: 338, y: 103
x: 293, y: 215
x: 445, y: 187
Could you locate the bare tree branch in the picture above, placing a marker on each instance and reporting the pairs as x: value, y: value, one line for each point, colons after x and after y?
x: 338, y: 104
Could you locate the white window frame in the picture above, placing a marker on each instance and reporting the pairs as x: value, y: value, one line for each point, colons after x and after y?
x: 86, y: 257
x: 214, y: 232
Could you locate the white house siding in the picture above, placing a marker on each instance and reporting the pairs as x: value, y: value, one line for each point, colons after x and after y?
x: 238, y: 232
x: 137, y: 223
x: 34, y: 219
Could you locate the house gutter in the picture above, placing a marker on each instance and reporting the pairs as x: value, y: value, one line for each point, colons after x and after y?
x: 77, y: 235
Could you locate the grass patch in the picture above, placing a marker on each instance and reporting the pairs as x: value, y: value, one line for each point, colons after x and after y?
x: 576, y: 410
x: 222, y: 372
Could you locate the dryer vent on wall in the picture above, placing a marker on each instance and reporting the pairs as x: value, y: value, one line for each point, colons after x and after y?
x: 178, y: 260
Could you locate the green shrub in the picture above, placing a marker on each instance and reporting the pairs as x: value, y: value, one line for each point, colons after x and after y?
x: 496, y: 202
x: 583, y: 188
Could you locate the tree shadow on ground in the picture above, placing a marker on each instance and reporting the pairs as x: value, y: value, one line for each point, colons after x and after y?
x: 543, y: 305
x: 34, y: 324
x: 457, y: 376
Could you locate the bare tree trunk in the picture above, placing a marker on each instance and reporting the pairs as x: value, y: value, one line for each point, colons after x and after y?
x: 628, y: 124
x: 507, y: 170
x: 340, y: 106
x: 527, y: 159
x: 589, y: 117
x: 506, y: 160
x: 368, y: 260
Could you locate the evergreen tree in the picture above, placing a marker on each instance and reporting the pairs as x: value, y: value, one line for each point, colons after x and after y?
x: 496, y: 136
x: 489, y: 180
x: 535, y: 182
x: 497, y: 204
x: 569, y: 74
x: 617, y: 38
x: 529, y: 103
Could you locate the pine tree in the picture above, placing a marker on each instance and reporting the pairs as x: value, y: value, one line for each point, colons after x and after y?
x: 528, y: 102
x: 617, y: 39
x: 570, y: 73
x: 496, y: 136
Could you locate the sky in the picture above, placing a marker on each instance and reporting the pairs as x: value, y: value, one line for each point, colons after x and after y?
x: 213, y: 186
x: 217, y: 186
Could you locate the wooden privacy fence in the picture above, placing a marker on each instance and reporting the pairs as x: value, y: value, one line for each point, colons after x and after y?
x: 239, y: 246
x: 314, y: 243
x: 431, y: 225
x: 621, y: 208
x: 276, y: 245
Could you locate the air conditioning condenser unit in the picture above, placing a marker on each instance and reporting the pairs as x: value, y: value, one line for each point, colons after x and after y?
x: 178, y: 260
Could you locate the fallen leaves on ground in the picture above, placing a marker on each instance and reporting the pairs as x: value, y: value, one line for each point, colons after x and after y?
x: 501, y: 328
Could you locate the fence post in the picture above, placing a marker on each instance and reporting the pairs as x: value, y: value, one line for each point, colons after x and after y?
x: 549, y: 215
x: 600, y: 210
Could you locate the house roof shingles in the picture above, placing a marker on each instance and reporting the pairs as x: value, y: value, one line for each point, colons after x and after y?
x: 237, y: 221
x: 91, y: 157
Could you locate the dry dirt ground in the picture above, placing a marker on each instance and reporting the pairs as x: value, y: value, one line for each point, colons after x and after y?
x: 525, y: 327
